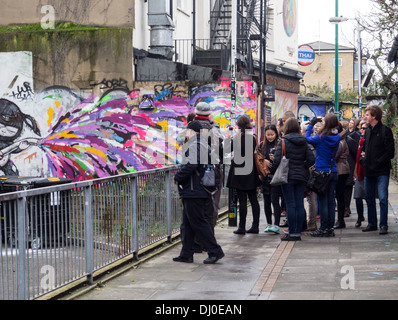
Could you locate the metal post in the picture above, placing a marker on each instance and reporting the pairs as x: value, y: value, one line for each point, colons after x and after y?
x: 232, y: 216
x: 88, y: 233
x: 134, y: 217
x: 336, y: 81
x: 359, y: 68
x: 168, y: 203
x: 233, y: 59
x: 21, y: 238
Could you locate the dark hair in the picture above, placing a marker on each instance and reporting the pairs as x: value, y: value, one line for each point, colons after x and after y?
x: 331, y: 122
x: 273, y: 128
x: 356, y: 123
x: 340, y: 127
x: 291, y: 125
x: 191, y: 117
x: 243, y: 123
x: 375, y: 111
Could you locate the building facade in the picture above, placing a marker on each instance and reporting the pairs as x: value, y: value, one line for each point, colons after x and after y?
x: 322, y: 70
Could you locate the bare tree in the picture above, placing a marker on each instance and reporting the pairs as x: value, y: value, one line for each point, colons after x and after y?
x: 382, y: 25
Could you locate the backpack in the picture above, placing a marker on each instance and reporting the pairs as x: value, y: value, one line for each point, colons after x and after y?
x: 211, y: 177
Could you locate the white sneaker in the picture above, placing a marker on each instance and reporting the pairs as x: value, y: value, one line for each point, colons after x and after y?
x: 267, y: 229
x: 274, y: 229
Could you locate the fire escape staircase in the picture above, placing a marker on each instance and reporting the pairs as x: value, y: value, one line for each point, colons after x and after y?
x: 219, y: 54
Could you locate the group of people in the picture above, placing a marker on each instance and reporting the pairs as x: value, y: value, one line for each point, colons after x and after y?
x: 357, y: 157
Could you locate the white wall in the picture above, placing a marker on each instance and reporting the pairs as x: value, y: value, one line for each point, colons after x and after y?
x: 284, y: 40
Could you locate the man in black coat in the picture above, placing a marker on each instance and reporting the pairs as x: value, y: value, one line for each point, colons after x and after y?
x: 377, y: 152
x: 195, y: 199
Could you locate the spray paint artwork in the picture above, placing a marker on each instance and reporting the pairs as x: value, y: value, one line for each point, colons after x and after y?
x: 123, y: 131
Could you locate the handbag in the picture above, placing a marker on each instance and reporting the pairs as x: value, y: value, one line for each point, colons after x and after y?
x: 259, y: 160
x: 319, y: 180
x: 282, y: 172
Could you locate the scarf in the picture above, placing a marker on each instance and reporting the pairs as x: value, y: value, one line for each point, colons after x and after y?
x: 360, y: 173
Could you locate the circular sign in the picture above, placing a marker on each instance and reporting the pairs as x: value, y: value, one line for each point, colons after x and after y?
x: 306, y: 55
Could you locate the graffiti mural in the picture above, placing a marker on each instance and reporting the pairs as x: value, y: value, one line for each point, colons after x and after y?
x: 284, y: 101
x: 60, y: 133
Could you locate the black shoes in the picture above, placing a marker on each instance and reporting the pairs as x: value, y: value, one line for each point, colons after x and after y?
x: 339, y: 225
x: 240, y: 231
x: 182, y: 259
x: 243, y: 231
x: 252, y: 230
x: 213, y: 260
x: 323, y: 233
x: 290, y: 238
x: 359, y: 222
x: 383, y: 230
x: 209, y: 260
x: 369, y: 228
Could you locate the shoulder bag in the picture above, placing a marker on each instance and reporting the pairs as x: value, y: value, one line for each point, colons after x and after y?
x: 282, y: 172
x: 319, y: 180
x: 259, y: 160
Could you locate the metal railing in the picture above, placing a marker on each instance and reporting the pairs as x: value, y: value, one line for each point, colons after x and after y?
x: 51, y: 237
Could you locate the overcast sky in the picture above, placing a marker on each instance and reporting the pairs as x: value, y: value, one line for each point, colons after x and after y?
x: 314, y: 15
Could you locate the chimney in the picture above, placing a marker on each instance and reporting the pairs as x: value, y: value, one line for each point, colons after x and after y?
x: 161, y: 28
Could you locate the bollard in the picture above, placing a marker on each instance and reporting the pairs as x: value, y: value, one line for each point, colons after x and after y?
x: 232, y: 208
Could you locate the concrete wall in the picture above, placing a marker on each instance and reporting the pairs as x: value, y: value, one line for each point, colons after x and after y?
x: 77, y: 59
x: 116, y: 13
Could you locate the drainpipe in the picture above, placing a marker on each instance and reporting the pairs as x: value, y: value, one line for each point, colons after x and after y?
x: 161, y: 29
x: 194, y: 32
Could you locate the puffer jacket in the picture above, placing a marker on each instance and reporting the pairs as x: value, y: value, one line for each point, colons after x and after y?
x: 300, y: 156
x: 343, y: 167
x: 189, y: 176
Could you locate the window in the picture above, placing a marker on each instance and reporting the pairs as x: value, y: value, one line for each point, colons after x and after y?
x: 340, y: 62
x: 356, y: 66
x: 340, y: 88
x: 183, y: 7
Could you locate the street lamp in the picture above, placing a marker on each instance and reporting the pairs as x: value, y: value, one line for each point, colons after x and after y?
x: 336, y: 20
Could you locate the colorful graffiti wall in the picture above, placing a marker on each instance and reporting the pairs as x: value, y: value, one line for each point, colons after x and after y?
x: 59, y: 132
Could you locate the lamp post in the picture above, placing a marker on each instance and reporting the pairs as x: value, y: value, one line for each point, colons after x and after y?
x: 336, y: 20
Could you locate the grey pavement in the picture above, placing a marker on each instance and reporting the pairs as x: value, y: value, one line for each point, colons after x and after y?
x: 352, y: 265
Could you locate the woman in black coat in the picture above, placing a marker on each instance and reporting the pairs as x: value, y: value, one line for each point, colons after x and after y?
x: 243, y: 175
x: 301, y: 158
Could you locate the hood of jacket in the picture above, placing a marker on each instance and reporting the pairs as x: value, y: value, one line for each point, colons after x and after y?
x: 296, y: 138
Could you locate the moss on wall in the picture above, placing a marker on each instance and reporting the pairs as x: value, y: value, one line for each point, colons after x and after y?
x: 72, y: 52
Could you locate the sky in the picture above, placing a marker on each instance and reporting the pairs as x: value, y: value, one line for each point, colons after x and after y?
x: 314, y: 15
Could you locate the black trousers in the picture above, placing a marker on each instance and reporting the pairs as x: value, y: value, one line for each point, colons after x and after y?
x: 195, y: 223
x: 242, y: 197
x: 340, y: 196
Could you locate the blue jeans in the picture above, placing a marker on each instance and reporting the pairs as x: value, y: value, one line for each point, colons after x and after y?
x: 293, y: 193
x: 381, y: 183
x: 327, y: 206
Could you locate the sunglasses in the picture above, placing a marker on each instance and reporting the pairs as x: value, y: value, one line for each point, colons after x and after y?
x: 363, y: 128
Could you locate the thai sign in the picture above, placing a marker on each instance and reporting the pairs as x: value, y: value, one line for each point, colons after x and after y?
x: 306, y: 55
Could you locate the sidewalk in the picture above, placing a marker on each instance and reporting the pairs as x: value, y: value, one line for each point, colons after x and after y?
x: 352, y: 265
